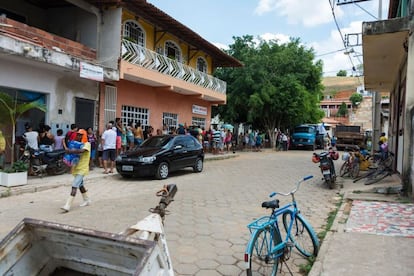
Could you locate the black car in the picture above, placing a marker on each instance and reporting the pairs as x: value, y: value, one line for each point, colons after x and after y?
x: 160, y: 155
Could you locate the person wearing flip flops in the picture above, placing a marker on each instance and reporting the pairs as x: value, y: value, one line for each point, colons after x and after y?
x: 79, y: 170
x: 109, y: 148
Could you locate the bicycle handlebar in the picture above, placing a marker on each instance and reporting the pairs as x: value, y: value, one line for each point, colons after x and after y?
x: 167, y: 194
x: 294, y: 190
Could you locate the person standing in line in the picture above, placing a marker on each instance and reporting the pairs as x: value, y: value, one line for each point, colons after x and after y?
x: 165, y: 129
x: 70, y: 135
x: 100, y: 150
x: 138, y: 134
x: 79, y: 171
x: 130, y: 135
x: 228, y: 140
x: 2, y: 149
x: 119, y: 130
x: 216, y: 136
x: 59, y: 137
x: 181, y: 129
x: 109, y: 148
x: 93, y: 141
x: 285, y: 141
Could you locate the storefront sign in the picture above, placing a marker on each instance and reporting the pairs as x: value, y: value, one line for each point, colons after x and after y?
x: 199, y: 110
x: 92, y: 72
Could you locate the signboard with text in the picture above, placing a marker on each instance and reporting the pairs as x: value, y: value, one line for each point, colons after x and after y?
x: 92, y: 72
x: 201, y: 110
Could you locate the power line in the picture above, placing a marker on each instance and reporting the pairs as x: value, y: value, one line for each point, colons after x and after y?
x: 376, y: 18
x: 331, y: 4
x: 329, y: 53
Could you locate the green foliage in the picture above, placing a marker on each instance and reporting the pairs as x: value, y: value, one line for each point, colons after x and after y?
x: 341, y: 73
x: 356, y: 98
x: 342, y: 110
x: 11, y: 110
x: 278, y: 87
x: 18, y: 166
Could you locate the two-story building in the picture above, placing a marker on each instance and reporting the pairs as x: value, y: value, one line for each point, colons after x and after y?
x: 91, y: 61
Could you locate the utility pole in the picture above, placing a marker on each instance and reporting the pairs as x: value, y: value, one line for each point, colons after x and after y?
x: 376, y: 104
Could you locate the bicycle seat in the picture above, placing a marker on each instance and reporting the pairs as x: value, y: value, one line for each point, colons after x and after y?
x: 271, y: 204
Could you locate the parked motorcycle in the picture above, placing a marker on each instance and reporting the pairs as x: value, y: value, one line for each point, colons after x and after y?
x: 325, y: 160
x: 44, y: 162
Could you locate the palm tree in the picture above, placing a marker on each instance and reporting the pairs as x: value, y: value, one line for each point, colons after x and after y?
x: 11, y: 111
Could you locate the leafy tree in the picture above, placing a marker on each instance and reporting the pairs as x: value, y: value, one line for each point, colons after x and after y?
x: 10, y: 112
x: 342, y: 110
x: 356, y: 98
x: 278, y: 87
x: 341, y: 73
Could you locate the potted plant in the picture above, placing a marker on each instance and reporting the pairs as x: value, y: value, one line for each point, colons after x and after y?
x: 11, y: 109
x: 15, y: 175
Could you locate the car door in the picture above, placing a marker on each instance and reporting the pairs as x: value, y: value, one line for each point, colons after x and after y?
x: 190, y: 154
x: 178, y: 153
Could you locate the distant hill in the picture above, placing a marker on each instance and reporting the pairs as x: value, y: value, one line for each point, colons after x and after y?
x: 336, y: 84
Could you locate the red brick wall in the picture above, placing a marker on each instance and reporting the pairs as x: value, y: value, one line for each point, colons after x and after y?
x: 44, y: 39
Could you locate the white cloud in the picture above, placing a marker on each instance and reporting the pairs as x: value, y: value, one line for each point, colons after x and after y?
x: 221, y: 45
x: 281, y: 38
x: 305, y: 12
x: 330, y: 50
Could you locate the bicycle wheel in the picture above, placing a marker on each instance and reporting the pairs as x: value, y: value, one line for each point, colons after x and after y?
x: 302, y: 235
x: 377, y: 176
x: 344, y: 169
x: 388, y: 161
x: 261, y: 262
x: 354, y: 173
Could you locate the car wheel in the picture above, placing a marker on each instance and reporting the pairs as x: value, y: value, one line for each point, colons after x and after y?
x: 198, y: 166
x: 162, y: 171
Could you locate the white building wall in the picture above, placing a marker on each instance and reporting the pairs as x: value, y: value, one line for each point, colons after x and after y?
x: 60, y: 88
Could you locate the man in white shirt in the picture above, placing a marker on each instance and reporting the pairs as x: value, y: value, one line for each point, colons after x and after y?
x: 109, y: 148
x: 32, y: 137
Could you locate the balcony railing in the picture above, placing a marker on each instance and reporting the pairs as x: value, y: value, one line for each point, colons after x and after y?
x: 138, y: 55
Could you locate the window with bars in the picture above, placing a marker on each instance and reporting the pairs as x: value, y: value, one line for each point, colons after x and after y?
x: 201, y: 122
x: 201, y: 65
x: 135, y: 114
x: 172, y: 51
x: 134, y: 33
x: 170, y: 119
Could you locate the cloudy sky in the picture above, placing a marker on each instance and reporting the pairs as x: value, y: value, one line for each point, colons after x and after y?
x: 218, y: 21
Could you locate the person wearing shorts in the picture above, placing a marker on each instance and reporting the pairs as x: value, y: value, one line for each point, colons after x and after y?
x: 79, y: 170
x: 109, y: 138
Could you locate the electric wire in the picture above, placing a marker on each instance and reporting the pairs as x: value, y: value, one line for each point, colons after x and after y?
x: 331, y: 4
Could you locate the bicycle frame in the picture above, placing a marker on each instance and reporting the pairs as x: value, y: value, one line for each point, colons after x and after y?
x: 277, y: 250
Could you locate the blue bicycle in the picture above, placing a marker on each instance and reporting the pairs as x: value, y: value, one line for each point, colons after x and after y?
x: 270, y: 245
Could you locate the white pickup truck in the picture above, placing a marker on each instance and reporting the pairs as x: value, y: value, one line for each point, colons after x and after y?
x: 36, y: 247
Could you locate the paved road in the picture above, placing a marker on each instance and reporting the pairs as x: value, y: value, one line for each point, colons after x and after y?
x: 206, y: 230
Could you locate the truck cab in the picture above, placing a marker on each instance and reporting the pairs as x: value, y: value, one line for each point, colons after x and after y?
x: 304, y: 136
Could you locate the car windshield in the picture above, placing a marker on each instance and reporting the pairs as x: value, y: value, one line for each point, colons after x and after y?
x: 156, y: 142
x: 304, y: 130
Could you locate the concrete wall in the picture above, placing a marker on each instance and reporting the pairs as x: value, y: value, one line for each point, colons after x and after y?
x: 408, y: 170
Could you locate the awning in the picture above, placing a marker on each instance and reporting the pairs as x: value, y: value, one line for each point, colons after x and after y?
x: 384, y: 45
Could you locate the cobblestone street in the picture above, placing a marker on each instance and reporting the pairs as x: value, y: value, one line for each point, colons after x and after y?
x: 206, y: 229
